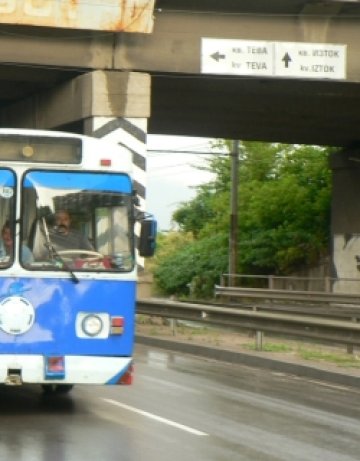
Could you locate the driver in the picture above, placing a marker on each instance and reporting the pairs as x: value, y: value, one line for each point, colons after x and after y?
x: 65, y: 238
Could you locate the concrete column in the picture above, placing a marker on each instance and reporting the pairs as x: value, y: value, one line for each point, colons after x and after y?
x: 129, y: 133
x: 345, y: 224
x: 120, y: 111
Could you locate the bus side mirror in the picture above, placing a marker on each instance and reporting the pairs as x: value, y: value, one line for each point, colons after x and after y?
x: 147, y: 240
x: 44, y: 212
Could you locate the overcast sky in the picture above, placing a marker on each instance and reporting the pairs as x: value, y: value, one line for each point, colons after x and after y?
x: 171, y: 175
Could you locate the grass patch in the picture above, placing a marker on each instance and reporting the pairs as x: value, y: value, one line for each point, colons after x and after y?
x: 142, y: 319
x: 154, y: 331
x: 344, y: 360
x: 271, y: 347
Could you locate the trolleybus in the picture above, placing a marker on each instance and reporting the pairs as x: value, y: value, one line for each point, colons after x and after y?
x: 67, y: 312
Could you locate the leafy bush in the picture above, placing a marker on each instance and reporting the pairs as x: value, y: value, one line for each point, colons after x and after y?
x: 193, y: 269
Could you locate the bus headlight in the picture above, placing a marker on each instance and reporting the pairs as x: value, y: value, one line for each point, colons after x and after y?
x: 92, y: 325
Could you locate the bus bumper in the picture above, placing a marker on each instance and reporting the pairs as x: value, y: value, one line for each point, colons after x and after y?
x: 69, y: 369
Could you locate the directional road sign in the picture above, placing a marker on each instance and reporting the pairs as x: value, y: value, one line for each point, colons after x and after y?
x: 310, y: 60
x: 279, y: 59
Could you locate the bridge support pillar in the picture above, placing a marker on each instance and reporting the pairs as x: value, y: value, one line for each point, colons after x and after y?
x: 345, y: 224
x: 131, y: 134
x: 120, y: 116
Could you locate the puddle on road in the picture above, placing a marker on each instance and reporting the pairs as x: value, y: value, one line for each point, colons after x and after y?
x: 158, y: 359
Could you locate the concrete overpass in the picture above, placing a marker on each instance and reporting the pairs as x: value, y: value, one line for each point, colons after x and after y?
x: 62, y: 78
x: 279, y: 70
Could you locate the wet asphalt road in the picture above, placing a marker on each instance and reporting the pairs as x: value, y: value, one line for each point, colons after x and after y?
x: 184, y: 408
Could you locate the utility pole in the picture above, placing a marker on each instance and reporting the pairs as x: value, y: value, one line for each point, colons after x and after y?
x: 233, y: 236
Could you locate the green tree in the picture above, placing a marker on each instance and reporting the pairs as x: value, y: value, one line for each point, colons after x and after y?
x: 193, y: 215
x: 284, y: 217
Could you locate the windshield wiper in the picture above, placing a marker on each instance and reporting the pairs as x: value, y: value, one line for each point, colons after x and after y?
x: 53, y: 254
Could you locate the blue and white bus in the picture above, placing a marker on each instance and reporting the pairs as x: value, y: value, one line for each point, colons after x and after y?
x: 68, y: 317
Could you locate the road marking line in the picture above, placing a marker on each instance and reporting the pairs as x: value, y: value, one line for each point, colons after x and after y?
x: 155, y: 417
x: 168, y: 384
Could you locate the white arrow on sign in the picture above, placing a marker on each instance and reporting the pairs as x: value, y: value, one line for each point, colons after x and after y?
x: 222, y: 56
x: 217, y: 56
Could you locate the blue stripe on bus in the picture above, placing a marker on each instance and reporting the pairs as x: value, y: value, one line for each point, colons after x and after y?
x: 7, y: 178
x: 108, y: 182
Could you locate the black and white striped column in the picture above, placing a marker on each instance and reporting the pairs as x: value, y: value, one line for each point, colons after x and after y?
x: 130, y: 133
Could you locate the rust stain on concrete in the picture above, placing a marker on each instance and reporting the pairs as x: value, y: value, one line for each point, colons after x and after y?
x: 109, y: 15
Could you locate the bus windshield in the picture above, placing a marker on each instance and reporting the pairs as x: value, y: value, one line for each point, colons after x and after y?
x: 77, y: 220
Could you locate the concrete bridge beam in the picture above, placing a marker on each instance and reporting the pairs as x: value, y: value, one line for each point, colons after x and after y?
x: 95, y: 94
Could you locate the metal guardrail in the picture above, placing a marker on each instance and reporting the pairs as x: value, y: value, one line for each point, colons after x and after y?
x: 291, y: 282
x: 287, y: 323
x: 290, y: 295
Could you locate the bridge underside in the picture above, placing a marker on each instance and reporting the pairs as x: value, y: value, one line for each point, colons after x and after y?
x: 36, y: 63
x: 267, y: 109
x: 289, y: 111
